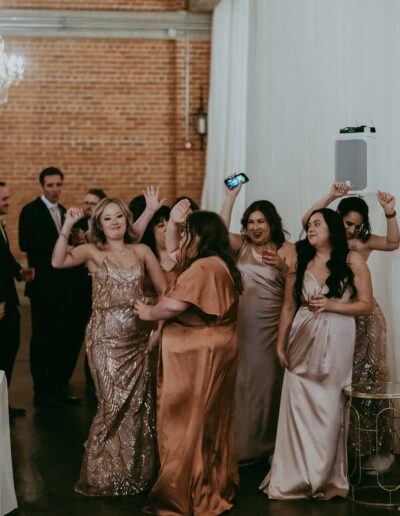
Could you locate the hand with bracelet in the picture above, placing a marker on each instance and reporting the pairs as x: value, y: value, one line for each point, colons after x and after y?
x: 387, y: 201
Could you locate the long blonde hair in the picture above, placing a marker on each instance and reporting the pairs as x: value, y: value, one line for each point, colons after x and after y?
x: 96, y: 234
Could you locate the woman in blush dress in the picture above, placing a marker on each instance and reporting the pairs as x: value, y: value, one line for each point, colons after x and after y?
x: 120, y: 456
x: 369, y: 361
x: 262, y: 256
x: 198, y: 473
x: 325, y: 290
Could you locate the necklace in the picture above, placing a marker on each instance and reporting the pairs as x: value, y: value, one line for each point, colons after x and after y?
x: 120, y: 251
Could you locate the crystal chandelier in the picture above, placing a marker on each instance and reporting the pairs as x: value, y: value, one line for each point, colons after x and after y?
x: 11, y: 71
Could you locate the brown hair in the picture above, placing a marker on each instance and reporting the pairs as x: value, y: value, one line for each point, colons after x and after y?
x: 97, y: 236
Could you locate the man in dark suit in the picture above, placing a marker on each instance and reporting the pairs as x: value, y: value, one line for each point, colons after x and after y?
x: 10, y: 270
x: 40, y: 223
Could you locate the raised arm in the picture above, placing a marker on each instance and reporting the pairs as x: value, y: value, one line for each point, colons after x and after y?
x: 153, y: 203
x: 177, y: 218
x: 236, y: 240
x: 63, y: 255
x: 390, y: 242
x: 337, y: 190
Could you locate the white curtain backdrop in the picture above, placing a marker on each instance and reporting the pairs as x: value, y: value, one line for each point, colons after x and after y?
x: 310, y: 68
x: 226, y: 150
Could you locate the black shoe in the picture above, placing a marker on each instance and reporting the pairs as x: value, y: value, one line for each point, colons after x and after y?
x: 16, y: 412
x: 67, y: 399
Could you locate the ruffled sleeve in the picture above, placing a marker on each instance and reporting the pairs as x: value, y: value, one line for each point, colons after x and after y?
x: 208, y: 285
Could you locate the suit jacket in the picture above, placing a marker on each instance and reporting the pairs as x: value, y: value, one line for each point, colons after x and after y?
x: 9, y: 270
x: 37, y: 237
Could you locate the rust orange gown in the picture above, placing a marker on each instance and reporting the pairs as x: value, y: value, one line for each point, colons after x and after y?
x: 198, y: 473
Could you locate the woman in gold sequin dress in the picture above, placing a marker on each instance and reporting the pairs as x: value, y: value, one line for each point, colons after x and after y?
x: 120, y: 457
x: 369, y: 361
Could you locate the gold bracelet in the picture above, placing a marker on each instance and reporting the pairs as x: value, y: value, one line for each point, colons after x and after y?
x: 391, y: 215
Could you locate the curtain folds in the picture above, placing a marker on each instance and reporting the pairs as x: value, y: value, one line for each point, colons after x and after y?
x: 286, y: 76
x: 226, y: 150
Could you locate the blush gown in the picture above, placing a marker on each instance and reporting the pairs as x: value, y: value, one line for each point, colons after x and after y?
x: 119, y: 456
x: 198, y: 474
x: 259, y: 376
x: 309, y: 453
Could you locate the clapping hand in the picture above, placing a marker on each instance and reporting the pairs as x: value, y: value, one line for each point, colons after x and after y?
x: 151, y: 195
x: 387, y: 201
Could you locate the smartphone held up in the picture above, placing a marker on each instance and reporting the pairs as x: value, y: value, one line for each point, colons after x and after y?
x: 234, y: 181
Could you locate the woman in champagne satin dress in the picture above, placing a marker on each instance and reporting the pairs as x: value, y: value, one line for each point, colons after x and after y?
x: 325, y: 290
x: 120, y: 453
x: 259, y: 377
x: 369, y: 361
x: 198, y: 473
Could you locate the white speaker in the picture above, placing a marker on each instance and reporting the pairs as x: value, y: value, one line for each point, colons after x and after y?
x: 355, y: 161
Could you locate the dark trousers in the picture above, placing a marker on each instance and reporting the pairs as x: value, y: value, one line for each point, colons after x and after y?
x: 9, y: 339
x: 56, y: 340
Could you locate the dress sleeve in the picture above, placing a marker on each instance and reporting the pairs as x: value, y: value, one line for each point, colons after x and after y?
x: 206, y: 284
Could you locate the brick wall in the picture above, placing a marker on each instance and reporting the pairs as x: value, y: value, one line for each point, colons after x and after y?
x: 109, y: 113
x: 89, y: 5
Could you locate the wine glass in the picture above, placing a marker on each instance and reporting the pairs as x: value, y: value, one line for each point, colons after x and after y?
x: 313, y: 293
x: 268, y: 250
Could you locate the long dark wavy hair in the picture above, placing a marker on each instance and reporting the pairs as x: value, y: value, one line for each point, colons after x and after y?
x: 357, y: 204
x: 213, y: 241
x: 278, y: 233
x: 148, y: 236
x: 341, y: 276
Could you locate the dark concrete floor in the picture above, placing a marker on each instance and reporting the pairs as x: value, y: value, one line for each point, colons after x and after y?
x: 47, y: 451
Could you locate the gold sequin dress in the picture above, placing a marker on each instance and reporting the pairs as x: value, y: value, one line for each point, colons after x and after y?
x: 370, y: 366
x: 120, y: 452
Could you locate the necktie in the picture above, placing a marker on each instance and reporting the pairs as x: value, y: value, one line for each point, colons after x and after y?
x: 3, y: 232
x: 55, y: 213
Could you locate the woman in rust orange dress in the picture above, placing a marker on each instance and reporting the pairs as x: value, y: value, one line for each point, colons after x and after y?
x: 198, y: 473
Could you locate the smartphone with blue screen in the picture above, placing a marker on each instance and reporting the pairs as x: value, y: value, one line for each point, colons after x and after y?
x: 233, y: 182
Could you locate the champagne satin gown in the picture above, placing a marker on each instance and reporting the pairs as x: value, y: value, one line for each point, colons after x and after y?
x: 259, y: 376
x: 119, y: 456
x: 198, y: 473
x: 309, y: 453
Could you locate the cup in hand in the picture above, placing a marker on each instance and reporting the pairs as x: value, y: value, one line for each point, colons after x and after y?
x: 312, y: 296
x: 269, y: 251
x: 28, y: 274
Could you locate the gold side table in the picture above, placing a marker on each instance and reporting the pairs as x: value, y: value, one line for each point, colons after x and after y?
x: 371, y: 412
